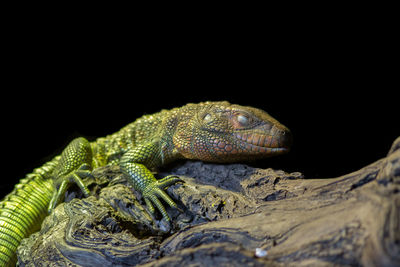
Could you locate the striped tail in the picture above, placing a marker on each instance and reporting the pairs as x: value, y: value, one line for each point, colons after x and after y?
x: 23, y: 210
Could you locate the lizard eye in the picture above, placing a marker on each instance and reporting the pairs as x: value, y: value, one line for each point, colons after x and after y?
x: 243, y: 120
x: 207, y: 117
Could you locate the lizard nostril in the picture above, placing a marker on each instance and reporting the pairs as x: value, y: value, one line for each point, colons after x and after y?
x: 282, y: 136
x: 285, y: 138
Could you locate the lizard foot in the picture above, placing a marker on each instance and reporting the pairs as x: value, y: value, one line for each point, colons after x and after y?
x: 155, y: 190
x: 62, y: 183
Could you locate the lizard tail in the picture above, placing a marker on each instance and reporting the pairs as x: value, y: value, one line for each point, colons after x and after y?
x: 23, y: 210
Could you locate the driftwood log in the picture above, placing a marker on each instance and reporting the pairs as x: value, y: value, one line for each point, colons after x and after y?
x: 231, y: 215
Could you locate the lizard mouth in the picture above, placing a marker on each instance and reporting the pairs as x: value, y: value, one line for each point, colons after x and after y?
x: 278, y: 143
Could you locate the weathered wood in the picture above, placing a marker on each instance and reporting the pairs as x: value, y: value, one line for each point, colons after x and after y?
x: 233, y: 215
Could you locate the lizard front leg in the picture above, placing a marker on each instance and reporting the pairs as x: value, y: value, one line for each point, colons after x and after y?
x: 74, y: 165
x: 136, y: 163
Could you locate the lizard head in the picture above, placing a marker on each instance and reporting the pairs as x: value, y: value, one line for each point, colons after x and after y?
x: 223, y: 132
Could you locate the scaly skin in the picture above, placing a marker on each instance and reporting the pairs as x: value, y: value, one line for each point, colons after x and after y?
x: 210, y: 131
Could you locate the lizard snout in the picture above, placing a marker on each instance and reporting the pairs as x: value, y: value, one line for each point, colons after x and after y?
x: 283, y: 136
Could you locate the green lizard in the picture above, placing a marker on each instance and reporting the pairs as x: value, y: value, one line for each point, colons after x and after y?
x: 209, y: 131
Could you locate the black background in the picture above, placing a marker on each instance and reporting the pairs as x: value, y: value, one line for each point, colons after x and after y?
x: 335, y: 85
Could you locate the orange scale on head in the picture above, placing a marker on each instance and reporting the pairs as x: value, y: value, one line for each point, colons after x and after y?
x: 219, y: 152
x: 228, y: 148
x: 221, y: 144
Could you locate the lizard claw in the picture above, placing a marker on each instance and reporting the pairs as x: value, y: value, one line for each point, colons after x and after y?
x: 155, y: 190
x: 61, y: 184
x: 168, y: 180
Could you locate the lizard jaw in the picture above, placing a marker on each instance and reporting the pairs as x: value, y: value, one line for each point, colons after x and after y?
x: 277, y: 141
x: 249, y: 145
x: 254, y: 149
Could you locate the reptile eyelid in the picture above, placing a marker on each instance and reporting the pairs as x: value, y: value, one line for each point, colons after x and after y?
x: 207, y: 117
x: 243, y: 120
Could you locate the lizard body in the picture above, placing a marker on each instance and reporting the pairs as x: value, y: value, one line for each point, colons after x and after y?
x: 209, y: 131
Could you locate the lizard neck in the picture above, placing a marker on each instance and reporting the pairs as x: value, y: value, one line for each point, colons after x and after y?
x: 157, y: 128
